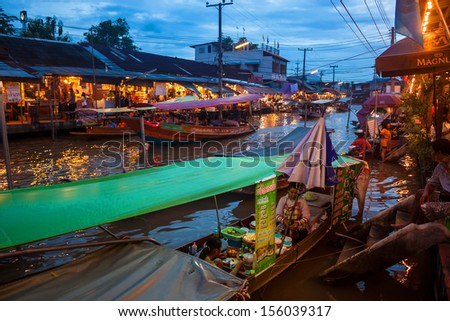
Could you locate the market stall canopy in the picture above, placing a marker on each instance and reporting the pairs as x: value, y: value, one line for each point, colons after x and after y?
x: 332, y: 91
x: 140, y: 271
x: 259, y: 89
x: 35, y: 213
x: 407, y: 57
x: 377, y: 101
x: 322, y: 101
x: 207, y: 103
x: 382, y: 101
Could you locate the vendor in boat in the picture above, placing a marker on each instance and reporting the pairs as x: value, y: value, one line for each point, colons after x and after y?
x: 211, y: 252
x: 293, y: 212
x: 359, y: 145
x: 440, y: 179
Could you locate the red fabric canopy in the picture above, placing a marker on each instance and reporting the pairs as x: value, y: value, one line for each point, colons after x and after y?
x: 207, y: 103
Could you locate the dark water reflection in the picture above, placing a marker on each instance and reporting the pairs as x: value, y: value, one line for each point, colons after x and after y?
x: 41, y: 161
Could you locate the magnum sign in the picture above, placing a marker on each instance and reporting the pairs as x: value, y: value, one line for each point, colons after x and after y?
x: 406, y: 57
x: 438, y: 59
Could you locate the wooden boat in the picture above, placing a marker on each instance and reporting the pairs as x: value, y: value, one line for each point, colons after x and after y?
x: 94, y: 121
x: 315, y: 109
x: 321, y: 218
x: 186, y: 132
x: 375, y: 245
x: 92, y: 132
x: 328, y: 208
x: 342, y: 105
x: 396, y: 152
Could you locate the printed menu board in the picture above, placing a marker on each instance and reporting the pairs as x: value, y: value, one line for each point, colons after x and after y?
x: 13, y: 92
x: 265, y: 211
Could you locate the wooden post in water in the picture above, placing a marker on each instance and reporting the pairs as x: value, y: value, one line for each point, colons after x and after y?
x: 5, y: 139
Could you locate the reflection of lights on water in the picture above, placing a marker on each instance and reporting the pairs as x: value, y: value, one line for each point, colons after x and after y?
x: 407, y: 162
x: 270, y: 120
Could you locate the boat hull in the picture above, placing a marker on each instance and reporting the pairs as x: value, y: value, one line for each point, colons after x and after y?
x: 284, y: 261
x: 92, y: 132
x: 186, y: 133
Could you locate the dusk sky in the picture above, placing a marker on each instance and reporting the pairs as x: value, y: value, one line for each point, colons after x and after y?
x: 348, y: 34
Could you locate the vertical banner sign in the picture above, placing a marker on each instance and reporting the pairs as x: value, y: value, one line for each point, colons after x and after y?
x: 265, y: 211
x: 344, y: 192
x: 13, y: 93
x: 160, y: 89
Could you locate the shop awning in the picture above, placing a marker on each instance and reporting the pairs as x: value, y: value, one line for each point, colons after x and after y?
x: 207, y: 103
x: 215, y: 89
x: 259, y: 89
x: 252, y: 62
x: 407, y: 57
x: 332, y: 91
x: 322, y: 101
x: 191, y: 87
x: 232, y: 63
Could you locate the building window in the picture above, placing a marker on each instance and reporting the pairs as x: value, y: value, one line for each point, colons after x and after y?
x: 209, y: 48
x: 255, y: 68
x: 201, y: 50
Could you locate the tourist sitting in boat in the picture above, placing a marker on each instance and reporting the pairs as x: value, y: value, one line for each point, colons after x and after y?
x: 122, y: 124
x: 211, y: 252
x: 439, y: 179
x: 360, y: 145
x: 293, y: 213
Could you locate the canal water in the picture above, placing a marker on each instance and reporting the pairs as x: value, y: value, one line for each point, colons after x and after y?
x: 39, y: 160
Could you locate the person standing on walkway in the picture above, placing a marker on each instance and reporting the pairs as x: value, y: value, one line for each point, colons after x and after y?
x: 83, y: 100
x: 385, y: 141
x: 72, y: 104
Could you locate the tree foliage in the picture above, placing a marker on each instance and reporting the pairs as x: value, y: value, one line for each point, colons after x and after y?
x: 228, y: 43
x: 51, y: 28
x: 114, y: 34
x: 418, y: 123
x: 6, y: 23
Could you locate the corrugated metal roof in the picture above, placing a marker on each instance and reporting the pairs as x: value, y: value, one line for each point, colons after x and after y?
x: 39, y: 52
x: 7, y: 71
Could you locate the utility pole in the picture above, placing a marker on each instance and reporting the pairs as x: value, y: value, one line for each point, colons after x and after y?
x: 220, y: 62
x: 304, y: 60
x: 334, y: 67
x: 392, y: 42
x: 303, y: 80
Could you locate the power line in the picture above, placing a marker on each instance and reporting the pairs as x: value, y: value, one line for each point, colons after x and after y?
x: 374, y: 22
x: 375, y: 54
x: 383, y: 14
x: 349, y: 25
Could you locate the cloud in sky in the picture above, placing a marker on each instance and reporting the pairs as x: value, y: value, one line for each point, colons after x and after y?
x: 350, y: 40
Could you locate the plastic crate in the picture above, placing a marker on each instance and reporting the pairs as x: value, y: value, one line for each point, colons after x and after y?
x: 234, y: 238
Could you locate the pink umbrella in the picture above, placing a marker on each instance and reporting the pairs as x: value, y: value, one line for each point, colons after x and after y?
x: 377, y: 101
x: 382, y: 101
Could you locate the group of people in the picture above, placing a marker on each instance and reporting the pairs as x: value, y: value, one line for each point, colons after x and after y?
x: 361, y: 145
x: 68, y: 102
